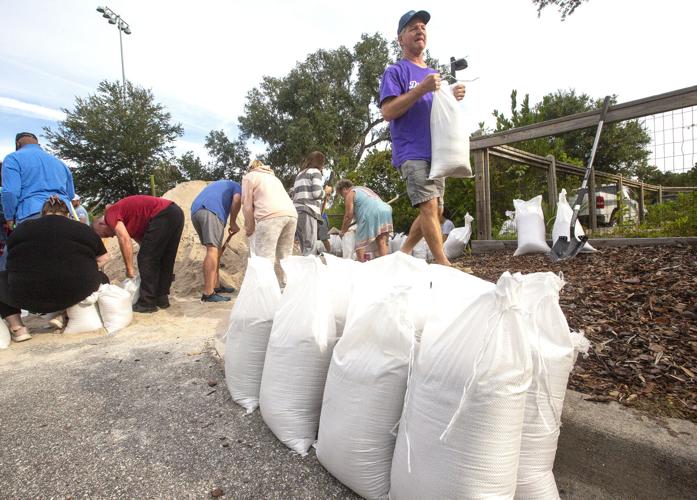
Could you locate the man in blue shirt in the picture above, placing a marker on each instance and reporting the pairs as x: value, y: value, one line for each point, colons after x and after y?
x: 210, y: 210
x: 29, y: 177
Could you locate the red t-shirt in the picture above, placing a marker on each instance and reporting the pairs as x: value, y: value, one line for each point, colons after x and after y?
x: 135, y: 212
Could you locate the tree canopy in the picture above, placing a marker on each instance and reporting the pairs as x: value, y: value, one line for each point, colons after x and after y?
x: 565, y: 7
x: 115, y: 141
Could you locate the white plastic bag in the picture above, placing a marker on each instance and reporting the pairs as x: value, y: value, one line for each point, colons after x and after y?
x: 114, y: 307
x: 530, y: 223
x: 553, y: 354
x: 458, y: 238
x: 508, y: 227
x: 450, y: 142
x: 5, y: 336
x: 562, y: 223
x: 298, y: 355
x: 248, y: 331
x: 364, y: 395
x: 84, y: 316
x: 335, y: 244
x: 132, y: 286
x: 348, y: 245
x: 397, y: 241
x: 459, y: 436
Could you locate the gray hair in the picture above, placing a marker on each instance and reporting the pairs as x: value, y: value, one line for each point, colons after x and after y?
x: 343, y: 184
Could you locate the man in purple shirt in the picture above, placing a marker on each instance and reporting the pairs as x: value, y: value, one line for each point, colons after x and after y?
x: 406, y: 94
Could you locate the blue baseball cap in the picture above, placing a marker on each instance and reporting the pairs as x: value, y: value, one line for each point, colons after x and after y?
x: 406, y: 18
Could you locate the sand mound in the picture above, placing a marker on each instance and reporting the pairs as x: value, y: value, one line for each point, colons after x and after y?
x: 188, y: 266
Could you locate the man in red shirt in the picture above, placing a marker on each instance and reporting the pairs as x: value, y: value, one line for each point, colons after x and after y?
x: 156, y: 224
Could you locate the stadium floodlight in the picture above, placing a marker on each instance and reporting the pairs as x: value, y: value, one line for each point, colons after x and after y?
x: 122, y: 26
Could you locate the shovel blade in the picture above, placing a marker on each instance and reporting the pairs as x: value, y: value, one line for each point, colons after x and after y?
x: 566, y: 248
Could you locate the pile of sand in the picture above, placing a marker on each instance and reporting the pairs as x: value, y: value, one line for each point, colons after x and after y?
x: 188, y: 265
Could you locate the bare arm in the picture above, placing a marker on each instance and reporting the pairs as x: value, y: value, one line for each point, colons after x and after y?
x: 126, y: 248
x: 102, y: 260
x: 234, y: 210
x: 248, y: 206
x: 348, y: 211
x: 394, y: 107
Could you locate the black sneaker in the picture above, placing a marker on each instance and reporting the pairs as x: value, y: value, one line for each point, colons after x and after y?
x: 224, y: 289
x: 162, y: 302
x: 141, y: 308
x: 214, y: 297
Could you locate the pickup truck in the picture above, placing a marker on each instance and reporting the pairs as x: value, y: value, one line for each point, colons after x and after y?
x: 606, y: 206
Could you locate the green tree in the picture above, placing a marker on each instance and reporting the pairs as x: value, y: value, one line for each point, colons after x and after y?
x: 115, y: 142
x: 192, y: 168
x: 328, y: 102
x: 229, y: 159
x: 565, y: 7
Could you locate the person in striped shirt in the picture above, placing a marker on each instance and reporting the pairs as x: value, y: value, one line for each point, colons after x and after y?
x: 308, y: 193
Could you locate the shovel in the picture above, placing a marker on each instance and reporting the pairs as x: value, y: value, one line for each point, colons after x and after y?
x: 566, y: 248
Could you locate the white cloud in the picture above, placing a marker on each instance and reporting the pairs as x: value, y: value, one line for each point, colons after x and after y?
x: 17, y: 107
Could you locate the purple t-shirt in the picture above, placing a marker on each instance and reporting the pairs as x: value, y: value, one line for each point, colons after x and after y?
x: 411, y: 132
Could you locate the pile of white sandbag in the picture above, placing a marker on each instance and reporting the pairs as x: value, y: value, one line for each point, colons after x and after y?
x: 562, y: 223
x: 109, y: 307
x: 440, y: 385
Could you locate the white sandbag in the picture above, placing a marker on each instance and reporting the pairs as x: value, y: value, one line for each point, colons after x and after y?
x: 132, y: 286
x: 458, y: 238
x: 364, y: 395
x: 459, y: 436
x: 5, y: 336
x: 249, y: 327
x: 530, y: 223
x: 562, y: 223
x: 373, y: 279
x: 298, y: 355
x: 348, y: 245
x: 421, y: 250
x: 553, y: 354
x: 450, y: 141
x: 84, y: 316
x: 335, y: 245
x: 341, y: 273
x: 397, y: 241
x: 508, y: 227
x: 114, y: 307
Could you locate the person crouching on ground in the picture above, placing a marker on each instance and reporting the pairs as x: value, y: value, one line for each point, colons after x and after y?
x: 209, y: 212
x: 269, y: 215
x: 156, y: 224
x: 308, y: 194
x: 373, y: 217
x: 53, y: 264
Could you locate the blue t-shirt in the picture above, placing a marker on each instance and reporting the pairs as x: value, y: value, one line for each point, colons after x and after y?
x: 411, y: 132
x: 29, y: 177
x: 217, y: 198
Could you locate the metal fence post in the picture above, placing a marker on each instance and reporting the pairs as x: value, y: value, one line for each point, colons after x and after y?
x: 641, y: 202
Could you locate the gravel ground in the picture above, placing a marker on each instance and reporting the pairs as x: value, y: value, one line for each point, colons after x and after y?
x: 138, y: 415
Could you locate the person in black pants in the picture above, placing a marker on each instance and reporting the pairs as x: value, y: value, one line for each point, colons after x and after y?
x: 53, y: 263
x: 156, y: 224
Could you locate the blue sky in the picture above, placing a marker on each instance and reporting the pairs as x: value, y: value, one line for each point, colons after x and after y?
x: 201, y: 58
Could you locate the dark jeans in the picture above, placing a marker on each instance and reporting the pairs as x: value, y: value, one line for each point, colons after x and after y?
x: 158, y: 250
x: 8, y: 306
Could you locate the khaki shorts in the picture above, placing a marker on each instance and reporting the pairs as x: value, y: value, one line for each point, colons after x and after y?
x: 209, y: 227
x: 419, y: 187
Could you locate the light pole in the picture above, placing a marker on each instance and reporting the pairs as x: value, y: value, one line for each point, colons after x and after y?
x: 122, y: 26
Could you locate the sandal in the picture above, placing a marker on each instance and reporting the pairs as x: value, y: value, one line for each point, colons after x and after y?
x: 20, y: 334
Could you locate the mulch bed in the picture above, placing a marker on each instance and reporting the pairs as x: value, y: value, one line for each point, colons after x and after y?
x: 638, y: 307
